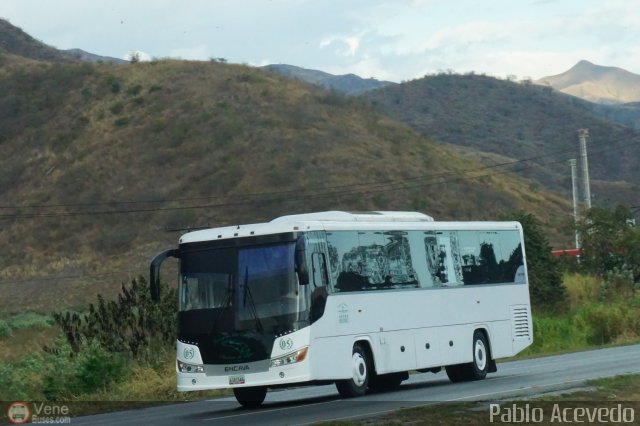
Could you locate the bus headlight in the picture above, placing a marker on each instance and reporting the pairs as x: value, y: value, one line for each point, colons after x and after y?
x: 291, y: 358
x: 183, y: 367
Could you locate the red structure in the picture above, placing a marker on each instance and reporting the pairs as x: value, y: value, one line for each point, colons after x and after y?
x: 568, y: 252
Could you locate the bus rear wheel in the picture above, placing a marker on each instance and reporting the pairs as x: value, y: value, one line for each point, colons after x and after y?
x: 250, y: 397
x: 456, y: 373
x: 476, y: 369
x: 360, y: 374
x: 479, y: 368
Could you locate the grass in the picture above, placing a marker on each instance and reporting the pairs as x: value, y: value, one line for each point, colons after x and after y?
x: 24, y: 333
x: 91, y: 141
x: 592, y: 319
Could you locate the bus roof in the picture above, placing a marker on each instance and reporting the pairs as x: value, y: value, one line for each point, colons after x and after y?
x: 337, y: 220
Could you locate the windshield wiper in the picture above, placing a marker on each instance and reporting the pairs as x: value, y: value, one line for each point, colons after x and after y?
x: 252, y: 305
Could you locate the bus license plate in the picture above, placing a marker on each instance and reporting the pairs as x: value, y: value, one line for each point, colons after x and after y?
x: 236, y: 380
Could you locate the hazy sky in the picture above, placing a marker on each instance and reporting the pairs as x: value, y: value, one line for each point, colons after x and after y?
x: 386, y: 39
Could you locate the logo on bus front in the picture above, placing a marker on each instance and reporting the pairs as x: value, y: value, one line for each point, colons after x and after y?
x: 286, y: 344
x: 189, y: 353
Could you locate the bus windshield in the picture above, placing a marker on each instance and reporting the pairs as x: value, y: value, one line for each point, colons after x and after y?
x: 255, y: 282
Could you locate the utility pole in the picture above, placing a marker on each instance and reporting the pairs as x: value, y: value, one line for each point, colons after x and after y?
x: 583, y: 134
x: 574, y: 188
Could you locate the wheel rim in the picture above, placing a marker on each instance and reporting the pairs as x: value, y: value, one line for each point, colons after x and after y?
x: 359, y: 370
x: 480, y: 355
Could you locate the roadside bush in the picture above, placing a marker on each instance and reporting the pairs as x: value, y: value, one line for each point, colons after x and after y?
x: 31, y: 320
x: 618, y: 284
x: 91, y: 369
x: 23, y: 379
x: 582, y: 289
x: 5, y: 329
x: 556, y: 334
x: 605, y: 323
x: 133, y: 324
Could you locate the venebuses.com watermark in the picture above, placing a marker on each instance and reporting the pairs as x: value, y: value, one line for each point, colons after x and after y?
x: 38, y: 413
x: 565, y: 413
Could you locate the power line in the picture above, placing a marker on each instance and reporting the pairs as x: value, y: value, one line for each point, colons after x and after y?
x: 266, y: 194
x: 63, y: 277
x: 382, y: 186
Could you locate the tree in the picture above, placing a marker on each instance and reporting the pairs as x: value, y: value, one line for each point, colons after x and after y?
x: 545, y: 280
x: 134, y: 57
x: 610, y: 241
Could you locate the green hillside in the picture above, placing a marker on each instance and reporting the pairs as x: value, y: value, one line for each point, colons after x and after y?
x: 100, y: 160
x: 519, y: 121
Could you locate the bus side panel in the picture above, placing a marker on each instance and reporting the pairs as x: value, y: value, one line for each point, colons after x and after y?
x: 331, y: 358
x: 428, y: 347
x: 397, y: 352
x: 501, y: 347
x: 456, y: 344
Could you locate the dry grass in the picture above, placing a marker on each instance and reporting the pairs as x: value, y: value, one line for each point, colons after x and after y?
x: 175, y: 130
x: 581, y: 289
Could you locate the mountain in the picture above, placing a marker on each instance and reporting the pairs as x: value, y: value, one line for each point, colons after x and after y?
x: 101, y: 164
x: 597, y: 83
x: 349, y: 84
x: 519, y: 122
x: 91, y: 57
x: 626, y: 114
x: 16, y: 42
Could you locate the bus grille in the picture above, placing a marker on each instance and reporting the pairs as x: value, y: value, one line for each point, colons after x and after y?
x: 520, y: 315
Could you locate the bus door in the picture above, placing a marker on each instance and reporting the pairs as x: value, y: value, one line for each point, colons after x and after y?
x: 317, y: 259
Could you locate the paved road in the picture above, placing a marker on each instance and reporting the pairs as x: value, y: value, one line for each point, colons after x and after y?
x: 312, y: 404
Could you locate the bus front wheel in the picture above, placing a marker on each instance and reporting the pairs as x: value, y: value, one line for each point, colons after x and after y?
x: 250, y: 397
x: 360, y: 374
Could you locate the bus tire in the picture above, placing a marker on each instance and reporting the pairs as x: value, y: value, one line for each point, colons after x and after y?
x: 250, y: 397
x: 361, y: 373
x: 456, y: 373
x: 479, y: 368
x: 385, y: 382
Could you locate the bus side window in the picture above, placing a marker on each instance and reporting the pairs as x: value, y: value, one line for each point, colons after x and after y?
x: 319, y: 265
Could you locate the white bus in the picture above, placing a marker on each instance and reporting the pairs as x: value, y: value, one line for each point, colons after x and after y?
x: 358, y: 299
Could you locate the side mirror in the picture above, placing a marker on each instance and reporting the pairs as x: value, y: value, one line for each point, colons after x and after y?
x: 301, y: 260
x: 154, y: 271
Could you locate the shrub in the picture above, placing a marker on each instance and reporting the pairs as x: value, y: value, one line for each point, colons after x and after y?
x: 31, y: 320
x: 135, y: 90
x: 556, y: 334
x: 5, y: 329
x: 618, y: 284
x: 133, y: 324
x: 121, y: 122
x: 605, y: 323
x: 91, y: 369
x: 582, y: 289
x: 116, y: 108
x: 22, y: 379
